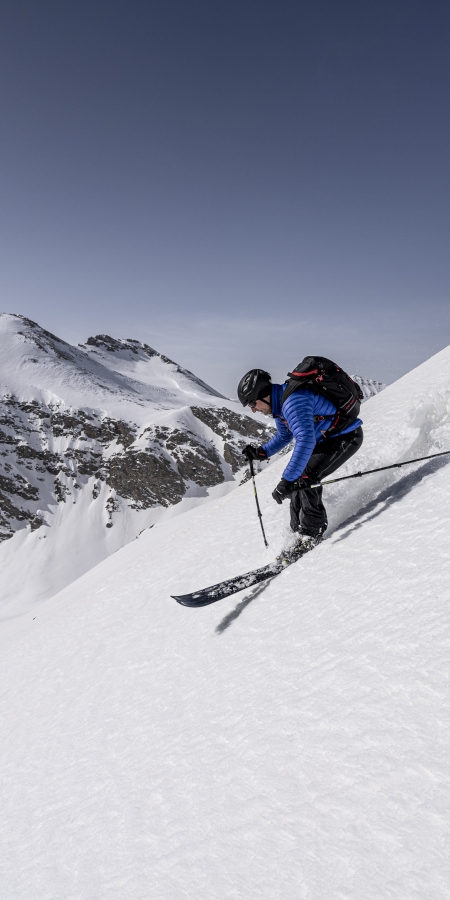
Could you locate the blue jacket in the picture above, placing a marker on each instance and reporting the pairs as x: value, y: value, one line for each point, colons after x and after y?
x: 296, y: 419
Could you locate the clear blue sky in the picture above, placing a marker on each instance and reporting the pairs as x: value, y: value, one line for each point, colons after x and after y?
x: 236, y: 183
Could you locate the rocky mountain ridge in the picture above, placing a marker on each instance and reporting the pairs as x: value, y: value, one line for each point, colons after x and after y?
x: 157, y: 451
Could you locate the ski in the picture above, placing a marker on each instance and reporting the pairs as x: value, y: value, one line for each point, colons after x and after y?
x: 233, y: 585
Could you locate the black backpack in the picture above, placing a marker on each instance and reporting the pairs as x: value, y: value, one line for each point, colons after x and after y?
x: 322, y: 376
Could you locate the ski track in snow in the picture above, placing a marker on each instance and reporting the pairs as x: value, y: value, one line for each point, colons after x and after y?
x: 290, y: 742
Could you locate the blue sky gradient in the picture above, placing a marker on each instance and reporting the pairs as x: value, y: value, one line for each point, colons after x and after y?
x: 236, y: 183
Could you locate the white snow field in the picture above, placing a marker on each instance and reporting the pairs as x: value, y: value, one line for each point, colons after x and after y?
x: 290, y: 742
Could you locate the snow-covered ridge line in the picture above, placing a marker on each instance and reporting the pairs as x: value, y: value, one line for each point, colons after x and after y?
x: 122, y: 348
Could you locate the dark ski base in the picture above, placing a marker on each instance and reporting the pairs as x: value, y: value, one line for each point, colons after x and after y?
x: 240, y: 582
x: 232, y: 586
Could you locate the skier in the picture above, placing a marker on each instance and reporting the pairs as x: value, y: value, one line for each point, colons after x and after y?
x: 305, y: 416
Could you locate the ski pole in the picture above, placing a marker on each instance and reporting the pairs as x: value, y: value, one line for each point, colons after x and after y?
x: 407, y: 462
x: 252, y: 473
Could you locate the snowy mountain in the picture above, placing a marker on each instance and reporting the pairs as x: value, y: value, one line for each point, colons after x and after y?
x: 289, y: 742
x: 97, y: 442
x: 368, y: 386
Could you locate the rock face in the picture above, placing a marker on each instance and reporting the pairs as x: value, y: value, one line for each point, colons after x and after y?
x: 158, y: 450
x: 73, y: 447
x: 227, y: 424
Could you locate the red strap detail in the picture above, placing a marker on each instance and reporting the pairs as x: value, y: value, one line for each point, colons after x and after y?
x: 335, y: 422
x: 303, y: 374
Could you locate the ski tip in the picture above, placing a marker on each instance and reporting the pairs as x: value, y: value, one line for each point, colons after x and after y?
x: 194, y: 600
x: 184, y: 601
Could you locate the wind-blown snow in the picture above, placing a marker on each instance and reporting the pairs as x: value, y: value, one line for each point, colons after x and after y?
x: 290, y: 742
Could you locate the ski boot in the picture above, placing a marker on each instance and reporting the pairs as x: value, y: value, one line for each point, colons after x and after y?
x: 303, y: 544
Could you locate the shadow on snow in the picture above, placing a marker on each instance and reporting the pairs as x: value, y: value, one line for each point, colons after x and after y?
x: 390, y: 495
x: 387, y: 497
x: 236, y: 612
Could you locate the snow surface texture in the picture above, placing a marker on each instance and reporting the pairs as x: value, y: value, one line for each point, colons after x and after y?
x: 97, y: 443
x: 288, y: 743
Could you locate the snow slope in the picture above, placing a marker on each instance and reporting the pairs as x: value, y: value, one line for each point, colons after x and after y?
x: 290, y: 742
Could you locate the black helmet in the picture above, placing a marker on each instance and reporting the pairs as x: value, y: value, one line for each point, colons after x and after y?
x: 252, y: 386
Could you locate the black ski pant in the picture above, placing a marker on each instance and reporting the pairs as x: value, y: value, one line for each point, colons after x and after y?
x: 308, y: 513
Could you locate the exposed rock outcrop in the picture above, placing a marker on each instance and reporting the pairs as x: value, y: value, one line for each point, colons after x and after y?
x: 153, y: 468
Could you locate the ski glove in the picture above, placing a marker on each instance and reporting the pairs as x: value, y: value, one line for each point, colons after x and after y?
x: 251, y: 452
x: 283, y: 489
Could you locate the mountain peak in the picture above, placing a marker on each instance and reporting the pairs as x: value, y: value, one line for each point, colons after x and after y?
x: 119, y: 345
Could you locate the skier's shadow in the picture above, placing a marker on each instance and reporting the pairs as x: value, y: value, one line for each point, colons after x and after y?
x: 236, y: 612
x: 386, y: 498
